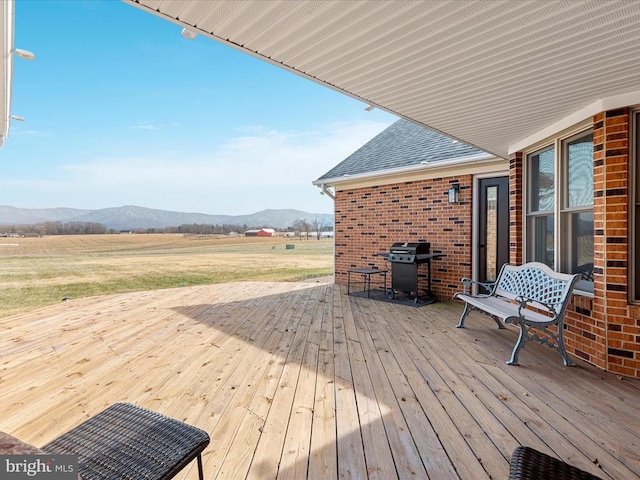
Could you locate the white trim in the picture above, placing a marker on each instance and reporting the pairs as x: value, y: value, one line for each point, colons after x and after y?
x: 410, y: 169
x: 554, y: 142
x: 601, y: 105
x: 7, y: 13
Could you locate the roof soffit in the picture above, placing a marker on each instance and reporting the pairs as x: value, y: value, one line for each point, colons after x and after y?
x: 488, y: 73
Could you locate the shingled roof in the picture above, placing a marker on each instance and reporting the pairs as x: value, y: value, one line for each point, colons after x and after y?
x: 403, y: 144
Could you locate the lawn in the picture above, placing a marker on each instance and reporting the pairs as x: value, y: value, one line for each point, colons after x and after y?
x: 38, y: 272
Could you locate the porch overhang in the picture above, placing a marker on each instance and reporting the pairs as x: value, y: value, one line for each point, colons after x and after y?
x: 489, y: 73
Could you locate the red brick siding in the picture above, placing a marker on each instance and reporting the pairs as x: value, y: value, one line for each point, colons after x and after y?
x: 516, y: 175
x: 369, y: 220
x: 611, y: 199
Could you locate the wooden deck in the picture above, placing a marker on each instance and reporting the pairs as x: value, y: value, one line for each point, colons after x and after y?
x: 296, y: 380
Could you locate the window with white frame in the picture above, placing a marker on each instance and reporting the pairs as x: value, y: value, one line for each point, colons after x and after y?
x: 541, y: 206
x: 635, y: 242
x: 559, y: 206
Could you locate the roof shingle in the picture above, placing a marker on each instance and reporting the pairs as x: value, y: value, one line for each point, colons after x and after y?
x: 402, y: 144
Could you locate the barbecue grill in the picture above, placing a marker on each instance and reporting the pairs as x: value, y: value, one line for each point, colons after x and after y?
x: 405, y: 258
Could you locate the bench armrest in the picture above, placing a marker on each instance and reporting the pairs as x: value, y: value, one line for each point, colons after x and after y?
x: 525, y: 301
x: 467, y: 283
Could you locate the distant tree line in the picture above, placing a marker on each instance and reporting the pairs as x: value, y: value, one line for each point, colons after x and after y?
x: 54, y: 228
x: 299, y: 227
x: 197, y: 229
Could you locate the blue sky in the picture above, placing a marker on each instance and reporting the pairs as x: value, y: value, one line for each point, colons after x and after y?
x: 121, y: 109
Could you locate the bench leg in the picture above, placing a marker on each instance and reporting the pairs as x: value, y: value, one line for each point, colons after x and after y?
x: 465, y: 312
x: 498, y: 322
x: 522, y: 339
x: 560, y: 346
x: 525, y: 336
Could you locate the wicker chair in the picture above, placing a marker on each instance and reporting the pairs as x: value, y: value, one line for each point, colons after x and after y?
x: 530, y: 464
x: 126, y: 441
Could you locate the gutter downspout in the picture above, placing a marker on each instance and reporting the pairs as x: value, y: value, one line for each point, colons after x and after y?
x: 327, y: 192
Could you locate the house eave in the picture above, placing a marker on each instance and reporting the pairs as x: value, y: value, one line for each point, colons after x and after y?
x: 576, y: 118
x: 467, y: 69
x: 470, y: 164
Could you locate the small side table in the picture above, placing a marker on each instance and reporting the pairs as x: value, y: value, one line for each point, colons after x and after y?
x: 366, y: 278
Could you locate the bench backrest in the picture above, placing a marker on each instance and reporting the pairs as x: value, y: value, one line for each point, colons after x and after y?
x: 538, y: 282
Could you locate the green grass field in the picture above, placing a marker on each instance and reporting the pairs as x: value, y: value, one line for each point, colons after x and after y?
x: 38, y: 272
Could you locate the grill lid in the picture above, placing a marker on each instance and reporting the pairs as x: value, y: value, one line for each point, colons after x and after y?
x: 412, y: 248
x: 408, y: 252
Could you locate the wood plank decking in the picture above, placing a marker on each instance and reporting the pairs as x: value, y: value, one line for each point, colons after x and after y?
x: 296, y: 381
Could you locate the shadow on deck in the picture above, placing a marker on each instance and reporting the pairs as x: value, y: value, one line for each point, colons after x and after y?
x: 299, y: 380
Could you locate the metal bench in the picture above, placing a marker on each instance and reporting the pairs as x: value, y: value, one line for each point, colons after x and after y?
x: 530, y: 296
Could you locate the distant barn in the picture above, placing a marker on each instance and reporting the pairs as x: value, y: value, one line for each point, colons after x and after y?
x: 263, y: 232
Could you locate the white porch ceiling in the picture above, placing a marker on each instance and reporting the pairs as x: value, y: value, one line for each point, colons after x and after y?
x: 490, y: 73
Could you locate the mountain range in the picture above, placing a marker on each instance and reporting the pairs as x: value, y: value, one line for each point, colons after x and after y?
x: 131, y: 217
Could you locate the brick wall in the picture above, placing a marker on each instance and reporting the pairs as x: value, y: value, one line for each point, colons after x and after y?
x: 369, y: 220
x: 516, y: 175
x: 614, y: 317
x: 604, y: 330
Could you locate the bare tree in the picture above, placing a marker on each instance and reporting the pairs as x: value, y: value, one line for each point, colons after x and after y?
x: 318, y: 226
x: 297, y: 227
x: 302, y: 226
x: 307, y: 229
